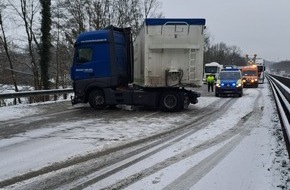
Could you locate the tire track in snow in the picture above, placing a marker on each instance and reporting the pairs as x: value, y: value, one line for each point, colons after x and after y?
x: 185, y: 154
x: 190, y: 129
x: 199, y: 117
x: 238, y: 132
x: 243, y: 128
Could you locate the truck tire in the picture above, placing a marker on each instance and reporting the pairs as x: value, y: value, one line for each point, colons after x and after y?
x: 170, y: 101
x: 97, y: 99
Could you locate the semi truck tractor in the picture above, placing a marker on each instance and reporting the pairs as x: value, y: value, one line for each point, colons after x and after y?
x: 261, y: 69
x: 157, y: 70
x: 213, y: 68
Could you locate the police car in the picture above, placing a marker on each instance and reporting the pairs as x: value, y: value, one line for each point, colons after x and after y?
x: 229, y: 81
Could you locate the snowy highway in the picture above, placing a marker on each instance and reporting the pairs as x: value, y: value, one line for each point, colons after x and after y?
x: 218, y: 143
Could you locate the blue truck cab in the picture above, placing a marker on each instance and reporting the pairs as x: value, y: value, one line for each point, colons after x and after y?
x: 229, y: 81
x: 102, y: 58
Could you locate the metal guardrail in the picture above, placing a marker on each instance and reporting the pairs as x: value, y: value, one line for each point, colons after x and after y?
x: 35, y: 93
x: 283, y: 80
x: 282, y: 97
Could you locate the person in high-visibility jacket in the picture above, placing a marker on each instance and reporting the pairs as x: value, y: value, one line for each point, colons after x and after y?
x: 210, y: 82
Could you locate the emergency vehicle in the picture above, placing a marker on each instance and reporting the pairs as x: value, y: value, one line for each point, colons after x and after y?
x: 250, y: 76
x: 229, y: 81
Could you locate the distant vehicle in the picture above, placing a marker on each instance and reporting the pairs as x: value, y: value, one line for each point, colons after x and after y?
x: 261, y: 69
x: 229, y: 81
x: 250, y: 76
x: 211, y: 68
x: 167, y: 57
x: 282, y: 73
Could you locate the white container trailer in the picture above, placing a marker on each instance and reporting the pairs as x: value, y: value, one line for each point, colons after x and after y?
x: 169, y: 52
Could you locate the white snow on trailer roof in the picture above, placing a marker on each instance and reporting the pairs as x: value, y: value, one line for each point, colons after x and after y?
x: 212, y: 64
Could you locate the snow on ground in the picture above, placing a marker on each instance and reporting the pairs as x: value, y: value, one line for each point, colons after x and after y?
x: 70, y: 139
x: 22, y: 110
x: 10, y: 111
x: 18, y: 111
x: 252, y: 165
x: 258, y: 162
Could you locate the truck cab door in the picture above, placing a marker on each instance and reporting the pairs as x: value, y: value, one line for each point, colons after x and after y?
x: 82, y: 64
x: 89, y: 62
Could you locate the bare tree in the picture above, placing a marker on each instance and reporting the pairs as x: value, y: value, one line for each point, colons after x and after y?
x: 56, y: 14
x: 64, y: 32
x: 83, y: 15
x: 226, y: 55
x: 151, y: 7
x: 75, y: 18
x: 27, y: 11
x: 99, y: 14
x: 4, y: 43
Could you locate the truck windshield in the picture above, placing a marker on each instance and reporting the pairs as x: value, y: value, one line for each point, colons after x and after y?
x: 229, y: 75
x: 210, y: 69
x: 249, y: 73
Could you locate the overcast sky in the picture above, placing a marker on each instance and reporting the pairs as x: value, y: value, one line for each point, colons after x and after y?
x: 259, y: 27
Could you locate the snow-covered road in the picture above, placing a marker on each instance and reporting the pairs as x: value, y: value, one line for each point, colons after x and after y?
x: 253, y: 158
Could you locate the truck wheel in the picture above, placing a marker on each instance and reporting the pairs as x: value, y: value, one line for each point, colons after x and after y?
x: 170, y: 101
x: 97, y: 99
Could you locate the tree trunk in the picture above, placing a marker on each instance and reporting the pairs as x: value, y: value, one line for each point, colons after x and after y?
x: 5, y: 45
